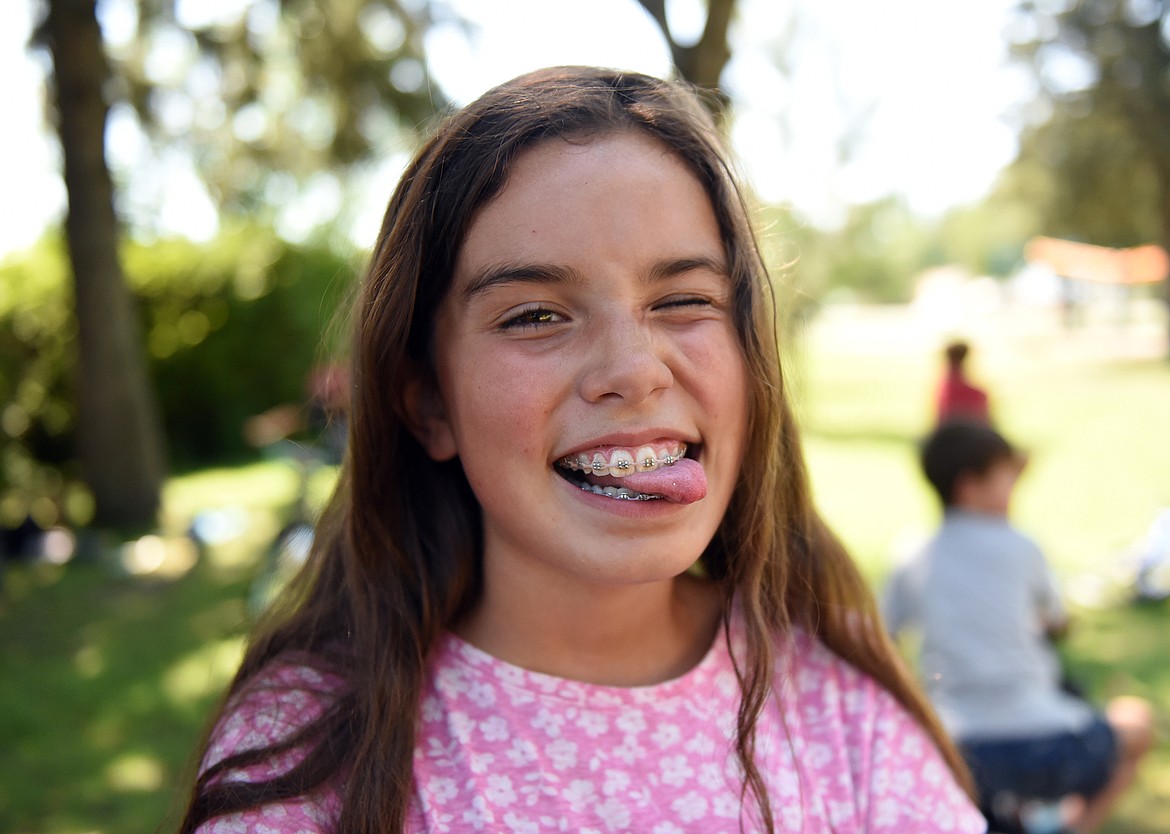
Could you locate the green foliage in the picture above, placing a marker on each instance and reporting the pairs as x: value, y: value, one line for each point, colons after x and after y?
x: 875, y: 256
x: 1094, y: 156
x: 37, y: 476
x: 232, y: 329
x: 988, y: 238
x: 266, y: 95
x: 1088, y: 179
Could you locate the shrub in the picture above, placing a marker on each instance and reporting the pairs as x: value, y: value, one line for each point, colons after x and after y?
x: 231, y: 328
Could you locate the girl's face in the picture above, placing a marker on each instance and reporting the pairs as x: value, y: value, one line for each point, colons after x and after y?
x: 587, y: 340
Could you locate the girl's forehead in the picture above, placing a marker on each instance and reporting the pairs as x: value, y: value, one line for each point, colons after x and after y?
x: 612, y: 188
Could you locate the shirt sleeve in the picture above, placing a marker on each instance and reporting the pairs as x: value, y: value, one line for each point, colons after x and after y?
x: 910, y: 786
x: 890, y: 777
x: 1046, y: 588
x: 270, y: 710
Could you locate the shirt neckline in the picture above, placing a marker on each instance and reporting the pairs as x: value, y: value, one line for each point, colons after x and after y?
x: 471, y: 660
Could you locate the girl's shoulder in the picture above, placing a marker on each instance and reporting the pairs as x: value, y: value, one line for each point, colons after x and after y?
x: 283, y: 698
x: 861, y: 750
x: 266, y: 714
x: 818, y: 681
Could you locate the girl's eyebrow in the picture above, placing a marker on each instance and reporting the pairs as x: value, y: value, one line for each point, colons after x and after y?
x: 495, y: 275
x: 672, y: 267
x: 498, y: 274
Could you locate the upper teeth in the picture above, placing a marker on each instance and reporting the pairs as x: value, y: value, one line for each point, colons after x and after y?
x: 621, y: 462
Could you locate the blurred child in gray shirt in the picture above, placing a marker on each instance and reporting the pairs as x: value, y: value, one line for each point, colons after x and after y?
x: 983, y: 605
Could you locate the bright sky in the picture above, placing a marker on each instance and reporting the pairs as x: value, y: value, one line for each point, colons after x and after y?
x: 930, y: 77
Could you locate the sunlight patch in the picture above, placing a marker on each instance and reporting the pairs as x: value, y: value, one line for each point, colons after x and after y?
x: 205, y: 671
x: 134, y: 772
x: 155, y: 555
x: 89, y: 661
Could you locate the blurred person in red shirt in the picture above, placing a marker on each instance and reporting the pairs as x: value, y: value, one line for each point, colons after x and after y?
x: 957, y: 397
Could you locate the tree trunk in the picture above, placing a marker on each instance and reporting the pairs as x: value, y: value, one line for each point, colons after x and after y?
x: 119, y: 433
x: 701, y: 63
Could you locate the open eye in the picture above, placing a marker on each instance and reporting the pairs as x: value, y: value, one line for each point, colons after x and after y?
x: 532, y: 317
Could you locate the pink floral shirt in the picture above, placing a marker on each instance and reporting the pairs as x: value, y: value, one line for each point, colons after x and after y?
x: 502, y: 749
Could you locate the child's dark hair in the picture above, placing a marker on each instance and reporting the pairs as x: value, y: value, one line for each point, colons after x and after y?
x: 958, y: 448
x: 956, y: 353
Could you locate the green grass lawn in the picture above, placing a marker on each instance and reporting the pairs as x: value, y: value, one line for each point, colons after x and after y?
x: 106, y: 677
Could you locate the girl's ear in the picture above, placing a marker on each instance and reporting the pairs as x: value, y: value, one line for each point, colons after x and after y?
x: 426, y: 416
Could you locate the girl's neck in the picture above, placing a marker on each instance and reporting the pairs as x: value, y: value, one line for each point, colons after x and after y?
x: 634, y: 635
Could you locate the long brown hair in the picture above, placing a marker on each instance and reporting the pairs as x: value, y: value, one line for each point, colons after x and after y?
x: 396, y: 560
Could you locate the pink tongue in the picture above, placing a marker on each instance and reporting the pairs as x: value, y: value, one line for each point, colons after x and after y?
x: 683, y: 483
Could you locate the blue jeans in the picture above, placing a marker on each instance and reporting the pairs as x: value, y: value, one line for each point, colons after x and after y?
x: 1044, y: 767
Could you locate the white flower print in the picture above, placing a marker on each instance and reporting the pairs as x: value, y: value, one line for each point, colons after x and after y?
x: 494, y: 729
x: 629, y: 750
x: 903, y: 782
x: 460, y: 725
x: 932, y: 773
x: 666, y: 735
x: 480, y: 763
x: 855, y: 701
x: 441, y: 789
x: 787, y: 783
x: 667, y: 827
x: 499, y: 790
x: 449, y: 682
x: 632, y: 722
x: 579, y: 794
x: 817, y: 756
x: 563, y: 753
x: 839, y: 812
x: 510, y: 675
x: 440, y: 749
x: 886, y: 811
x: 690, y: 807
x: 791, y: 817
x: 481, y: 694
x: 593, y: 724
x: 710, y: 776
x: 548, y: 721
x: 725, y: 806
x: 675, y: 770
x: 809, y: 680
x: 479, y: 814
x: 700, y: 744
x: 911, y: 747
x: 615, y: 782
x: 522, y: 752
x: 520, y: 825
x: 614, y: 814
x: 726, y: 684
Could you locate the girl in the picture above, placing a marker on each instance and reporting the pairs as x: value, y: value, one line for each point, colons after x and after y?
x: 571, y: 578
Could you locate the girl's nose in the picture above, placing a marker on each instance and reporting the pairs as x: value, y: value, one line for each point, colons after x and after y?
x: 626, y: 361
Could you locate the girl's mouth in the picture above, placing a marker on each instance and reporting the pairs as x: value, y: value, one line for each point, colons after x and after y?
x: 648, y: 473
